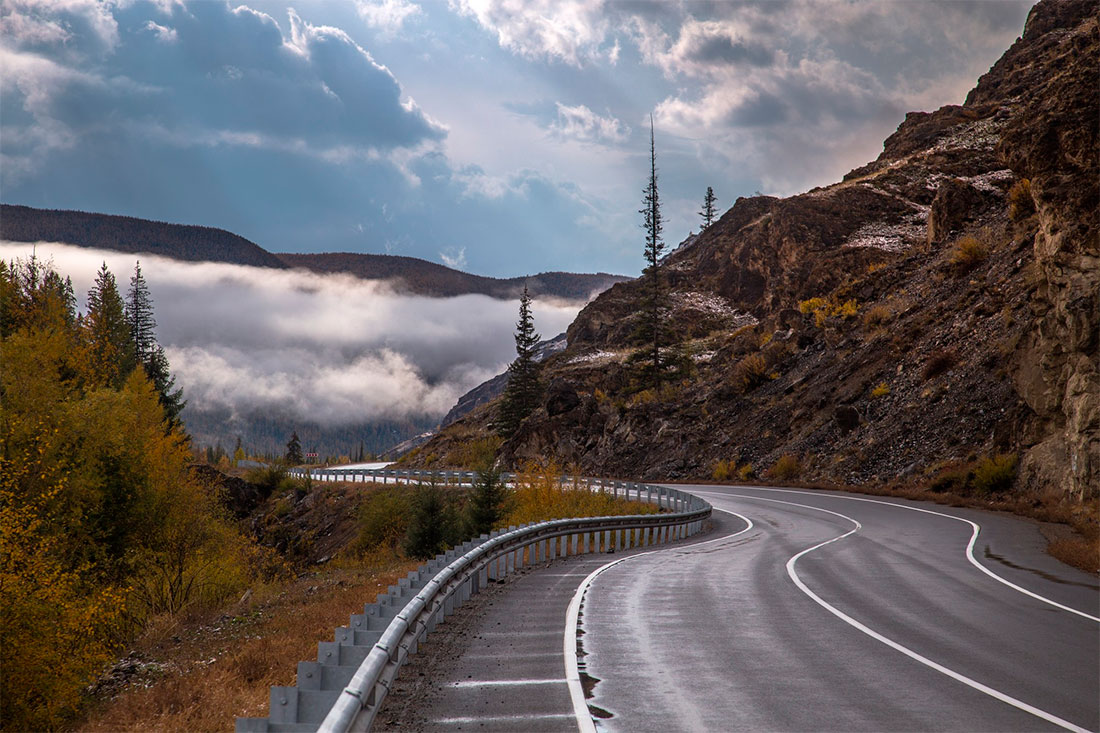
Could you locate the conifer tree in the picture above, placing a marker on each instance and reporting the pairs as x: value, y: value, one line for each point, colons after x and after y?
x: 486, y: 503
x: 524, y: 390
x: 708, y: 208
x: 294, y: 449
x: 653, y: 330
x: 107, y: 334
x: 139, y: 315
x: 433, y: 526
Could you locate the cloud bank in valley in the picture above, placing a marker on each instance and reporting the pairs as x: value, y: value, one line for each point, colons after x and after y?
x: 332, y: 349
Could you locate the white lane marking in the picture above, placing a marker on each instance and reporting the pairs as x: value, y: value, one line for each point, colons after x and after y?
x: 572, y: 671
x: 502, y: 718
x: 505, y: 683
x: 996, y: 694
x: 975, y: 529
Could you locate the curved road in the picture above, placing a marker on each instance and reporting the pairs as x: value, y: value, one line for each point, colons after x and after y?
x: 837, y: 611
x: 799, y: 611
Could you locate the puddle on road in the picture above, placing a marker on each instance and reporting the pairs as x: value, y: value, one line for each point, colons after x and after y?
x: 588, y: 682
x: 1041, y: 573
x: 599, y: 712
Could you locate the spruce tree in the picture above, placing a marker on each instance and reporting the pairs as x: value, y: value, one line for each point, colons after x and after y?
x: 433, y: 526
x: 524, y: 390
x: 486, y: 505
x: 708, y: 208
x: 653, y: 331
x: 139, y: 315
x: 107, y: 334
x: 294, y: 449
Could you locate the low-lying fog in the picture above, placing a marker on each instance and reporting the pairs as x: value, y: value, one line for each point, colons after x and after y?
x: 332, y: 349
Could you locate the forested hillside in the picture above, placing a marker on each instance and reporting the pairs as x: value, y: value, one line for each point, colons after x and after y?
x: 128, y: 234
x: 428, y: 278
x: 207, y: 244
x: 104, y: 526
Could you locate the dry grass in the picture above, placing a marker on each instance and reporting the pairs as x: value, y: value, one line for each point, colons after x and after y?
x: 968, y: 253
x: 876, y: 318
x: 749, y: 373
x: 221, y: 669
x: 540, y: 494
x: 1077, y: 551
x: 787, y: 467
x: 937, y: 363
x: 1021, y: 205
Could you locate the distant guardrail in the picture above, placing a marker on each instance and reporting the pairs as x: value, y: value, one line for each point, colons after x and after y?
x: 343, y: 690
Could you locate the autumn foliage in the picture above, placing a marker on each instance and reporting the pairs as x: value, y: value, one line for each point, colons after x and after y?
x: 541, y: 492
x: 102, y: 525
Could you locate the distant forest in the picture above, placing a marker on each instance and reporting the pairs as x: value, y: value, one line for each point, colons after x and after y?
x: 127, y: 234
x: 206, y: 244
x: 266, y: 434
x: 428, y: 278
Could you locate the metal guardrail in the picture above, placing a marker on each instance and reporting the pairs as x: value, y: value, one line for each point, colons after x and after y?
x: 343, y: 690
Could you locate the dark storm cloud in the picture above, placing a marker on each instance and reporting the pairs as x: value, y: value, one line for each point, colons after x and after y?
x: 726, y: 50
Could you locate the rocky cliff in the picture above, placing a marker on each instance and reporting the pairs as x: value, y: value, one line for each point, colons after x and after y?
x: 937, y: 306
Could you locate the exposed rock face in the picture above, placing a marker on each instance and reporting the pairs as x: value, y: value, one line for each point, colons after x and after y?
x: 951, y: 209
x: 1052, y: 140
x: 811, y: 320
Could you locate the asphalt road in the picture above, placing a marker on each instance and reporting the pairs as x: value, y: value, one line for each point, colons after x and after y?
x: 798, y: 611
x: 835, y: 613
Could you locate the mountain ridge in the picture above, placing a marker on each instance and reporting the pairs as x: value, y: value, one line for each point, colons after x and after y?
x: 193, y: 243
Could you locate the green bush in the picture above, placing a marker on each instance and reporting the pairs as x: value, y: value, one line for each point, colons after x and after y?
x: 434, y: 524
x: 994, y: 473
x: 266, y: 478
x: 787, y: 467
x: 983, y: 476
x: 384, y: 518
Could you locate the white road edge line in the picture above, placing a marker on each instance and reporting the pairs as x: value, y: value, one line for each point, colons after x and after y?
x: 996, y: 694
x: 975, y: 529
x: 585, y: 723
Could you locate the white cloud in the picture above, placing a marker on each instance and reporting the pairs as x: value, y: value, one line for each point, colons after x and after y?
x: 454, y: 257
x: 387, y: 16
x: 164, y: 34
x: 583, y: 124
x: 563, y: 30
x: 331, y: 349
x: 38, y: 22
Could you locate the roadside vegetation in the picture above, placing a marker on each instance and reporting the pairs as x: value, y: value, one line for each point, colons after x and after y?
x: 104, y: 529
x: 200, y: 670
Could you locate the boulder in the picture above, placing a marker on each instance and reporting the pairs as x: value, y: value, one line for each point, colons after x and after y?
x: 951, y: 208
x: 561, y: 398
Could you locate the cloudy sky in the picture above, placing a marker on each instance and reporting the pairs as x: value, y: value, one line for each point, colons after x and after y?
x: 498, y: 136
x: 330, y: 349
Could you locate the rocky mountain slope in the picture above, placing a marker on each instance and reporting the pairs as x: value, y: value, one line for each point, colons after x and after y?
x: 207, y: 244
x: 937, y: 306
